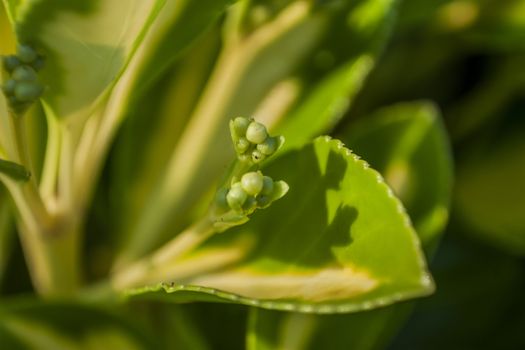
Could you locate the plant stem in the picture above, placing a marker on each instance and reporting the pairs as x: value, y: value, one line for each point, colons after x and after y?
x: 51, y: 243
x: 141, y: 271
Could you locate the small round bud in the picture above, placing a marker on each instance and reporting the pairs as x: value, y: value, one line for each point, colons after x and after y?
x: 250, y: 205
x: 236, y: 197
x: 243, y: 145
x: 24, y: 73
x: 26, y: 53
x: 240, y: 125
x: 252, y: 183
x: 27, y: 91
x: 39, y: 63
x: 268, y: 147
x: 245, y: 158
x: 256, y: 133
x: 257, y: 156
x: 11, y: 62
x: 263, y: 201
x: 9, y: 87
x: 267, y: 188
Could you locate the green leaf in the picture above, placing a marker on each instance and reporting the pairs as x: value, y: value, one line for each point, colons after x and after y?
x: 365, y: 25
x: 408, y: 145
x: 178, y: 25
x: 59, y: 325
x: 490, y: 192
x: 87, y: 44
x: 339, y: 241
x: 6, y: 231
x: 14, y: 171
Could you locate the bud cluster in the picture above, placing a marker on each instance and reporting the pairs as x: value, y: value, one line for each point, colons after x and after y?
x: 251, y: 140
x: 252, y: 191
x: 22, y: 87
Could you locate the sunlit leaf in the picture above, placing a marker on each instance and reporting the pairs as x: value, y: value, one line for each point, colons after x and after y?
x: 356, y: 250
x: 87, y: 44
x: 407, y: 144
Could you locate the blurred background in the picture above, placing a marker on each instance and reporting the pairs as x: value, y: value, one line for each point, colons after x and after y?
x: 468, y: 59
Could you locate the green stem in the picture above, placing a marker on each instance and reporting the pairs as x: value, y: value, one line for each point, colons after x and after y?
x: 51, y: 244
x: 142, y: 271
x: 53, y: 258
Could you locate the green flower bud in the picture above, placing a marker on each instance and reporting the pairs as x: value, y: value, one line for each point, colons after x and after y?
x: 250, y: 205
x: 245, y: 158
x: 252, y: 182
x: 9, y: 87
x: 263, y: 201
x: 267, y: 188
x: 256, y: 133
x: 26, y: 53
x: 39, y: 63
x: 10, y: 63
x: 27, y: 91
x: 243, y: 145
x: 268, y: 147
x: 236, y: 197
x: 257, y: 156
x: 240, y: 125
x: 24, y: 73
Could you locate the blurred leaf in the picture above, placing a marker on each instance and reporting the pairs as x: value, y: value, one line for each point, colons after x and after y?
x: 467, y: 312
x: 6, y: 231
x: 54, y: 326
x: 244, y: 73
x: 490, y: 193
x: 87, y: 44
x: 356, y: 251
x: 178, y: 25
x: 365, y: 27
x: 408, y: 145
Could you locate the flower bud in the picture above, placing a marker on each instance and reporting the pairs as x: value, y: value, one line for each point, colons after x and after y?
x: 256, y: 133
x: 243, y: 145
x: 24, y: 73
x: 27, y: 91
x: 257, y: 156
x: 240, y: 125
x: 250, y: 205
x: 263, y: 201
x: 252, y: 183
x: 9, y: 87
x: 267, y: 188
x: 10, y: 63
x: 268, y: 147
x: 26, y: 53
x: 236, y: 197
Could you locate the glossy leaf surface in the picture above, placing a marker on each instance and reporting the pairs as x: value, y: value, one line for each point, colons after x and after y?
x: 356, y: 251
